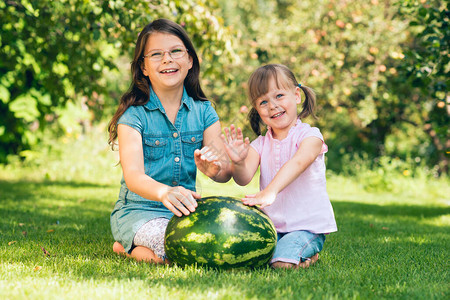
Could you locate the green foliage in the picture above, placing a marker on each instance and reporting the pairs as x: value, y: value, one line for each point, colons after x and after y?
x: 352, y: 53
x: 380, y: 68
x: 387, y: 174
x: 424, y: 76
x: 339, y: 50
x: 55, y: 52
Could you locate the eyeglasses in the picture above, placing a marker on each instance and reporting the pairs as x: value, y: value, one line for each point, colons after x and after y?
x: 158, y: 55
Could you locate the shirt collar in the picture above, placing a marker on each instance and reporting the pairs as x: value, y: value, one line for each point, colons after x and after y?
x: 154, y: 102
x: 186, y: 100
x: 269, y: 129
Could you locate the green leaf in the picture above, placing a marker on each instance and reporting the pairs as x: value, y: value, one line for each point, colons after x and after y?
x: 25, y: 107
x: 4, y: 94
x: 60, y: 69
x: 367, y: 111
x: 423, y: 11
x: 42, y: 99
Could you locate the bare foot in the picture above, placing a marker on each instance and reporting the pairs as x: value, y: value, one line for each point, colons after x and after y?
x: 312, y: 260
x: 119, y: 249
x: 284, y: 265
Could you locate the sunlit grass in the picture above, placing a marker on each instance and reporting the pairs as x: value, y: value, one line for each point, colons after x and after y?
x: 390, y: 244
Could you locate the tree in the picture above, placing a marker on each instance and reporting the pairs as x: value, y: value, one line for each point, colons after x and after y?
x: 55, y: 52
x: 424, y: 76
x: 345, y: 50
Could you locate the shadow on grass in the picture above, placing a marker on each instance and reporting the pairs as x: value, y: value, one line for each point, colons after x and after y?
x: 59, y: 215
x: 361, y: 219
x: 6, y: 185
x: 36, y: 200
x: 391, y: 210
x: 360, y: 254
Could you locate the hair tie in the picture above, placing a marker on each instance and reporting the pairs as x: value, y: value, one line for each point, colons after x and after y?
x: 299, y: 85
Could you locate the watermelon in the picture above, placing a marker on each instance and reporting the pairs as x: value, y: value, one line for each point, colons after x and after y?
x: 221, y: 233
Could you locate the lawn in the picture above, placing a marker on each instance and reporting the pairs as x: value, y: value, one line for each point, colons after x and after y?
x: 56, y: 243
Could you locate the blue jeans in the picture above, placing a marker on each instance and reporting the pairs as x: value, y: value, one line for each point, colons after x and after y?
x: 297, y: 246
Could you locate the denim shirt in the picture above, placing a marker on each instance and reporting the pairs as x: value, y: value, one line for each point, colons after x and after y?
x: 169, y: 148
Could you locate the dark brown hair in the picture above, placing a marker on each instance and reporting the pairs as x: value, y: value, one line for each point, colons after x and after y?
x: 258, y: 85
x: 139, y: 91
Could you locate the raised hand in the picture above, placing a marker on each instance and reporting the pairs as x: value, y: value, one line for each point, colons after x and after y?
x: 180, y: 200
x: 235, y: 145
x: 207, y: 161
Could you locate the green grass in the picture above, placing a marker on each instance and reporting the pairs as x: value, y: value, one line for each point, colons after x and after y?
x: 389, y: 245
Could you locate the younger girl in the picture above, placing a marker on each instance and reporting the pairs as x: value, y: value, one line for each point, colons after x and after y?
x: 291, y: 159
x: 160, y: 124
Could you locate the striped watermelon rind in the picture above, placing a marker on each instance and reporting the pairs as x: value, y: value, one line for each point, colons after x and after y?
x: 221, y: 233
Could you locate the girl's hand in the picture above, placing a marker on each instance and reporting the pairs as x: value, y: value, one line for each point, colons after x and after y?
x: 262, y: 199
x: 180, y: 200
x: 235, y: 146
x: 207, y: 161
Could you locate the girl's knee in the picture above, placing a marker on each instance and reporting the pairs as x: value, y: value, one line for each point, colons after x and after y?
x: 151, y: 236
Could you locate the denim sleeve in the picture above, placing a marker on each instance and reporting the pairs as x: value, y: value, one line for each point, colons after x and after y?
x: 132, y: 117
x: 210, y: 115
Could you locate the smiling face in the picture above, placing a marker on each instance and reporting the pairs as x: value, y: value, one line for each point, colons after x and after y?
x: 167, y: 74
x: 278, y: 108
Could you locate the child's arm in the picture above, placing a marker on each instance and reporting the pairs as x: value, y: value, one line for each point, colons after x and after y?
x: 211, y: 160
x: 307, y: 152
x: 177, y: 199
x: 245, y: 159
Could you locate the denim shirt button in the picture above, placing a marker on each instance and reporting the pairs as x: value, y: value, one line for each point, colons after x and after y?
x: 177, y: 159
x: 174, y: 183
x: 157, y: 143
x: 175, y: 135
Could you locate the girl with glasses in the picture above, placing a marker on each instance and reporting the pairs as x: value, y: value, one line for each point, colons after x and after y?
x: 161, y: 124
x: 292, y: 165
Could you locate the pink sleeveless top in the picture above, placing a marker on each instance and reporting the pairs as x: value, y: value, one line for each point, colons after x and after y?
x: 304, y: 204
